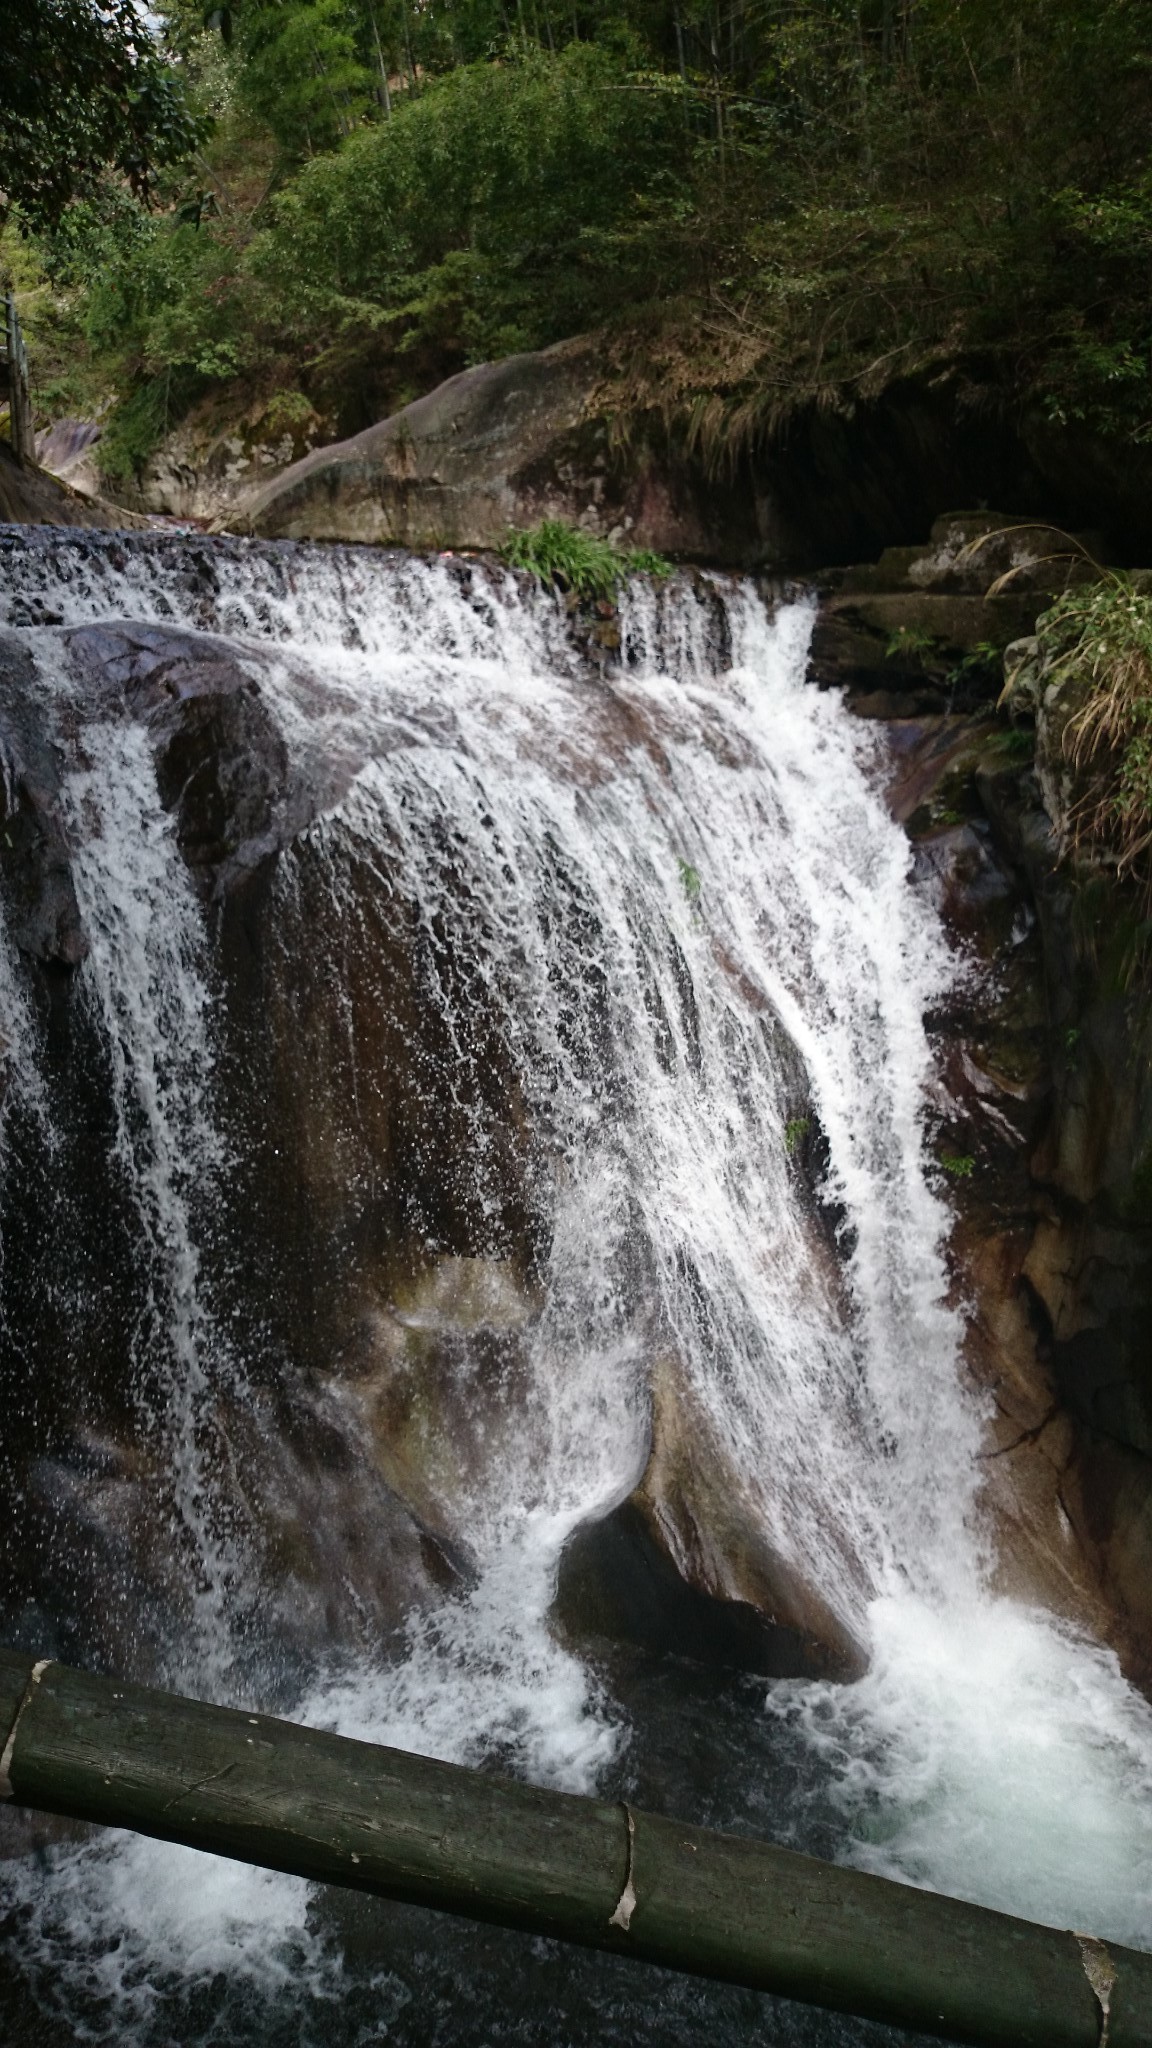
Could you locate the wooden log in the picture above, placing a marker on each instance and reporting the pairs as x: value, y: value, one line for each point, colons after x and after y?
x: 405, y: 1827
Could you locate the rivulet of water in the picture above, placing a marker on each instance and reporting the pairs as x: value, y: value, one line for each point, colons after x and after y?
x: 670, y: 895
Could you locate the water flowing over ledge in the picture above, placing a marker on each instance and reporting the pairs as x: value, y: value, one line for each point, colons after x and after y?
x: 500, y: 1072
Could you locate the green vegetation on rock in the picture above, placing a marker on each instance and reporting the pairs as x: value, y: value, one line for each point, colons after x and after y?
x: 570, y: 560
x: 1095, y: 642
x: 689, y: 880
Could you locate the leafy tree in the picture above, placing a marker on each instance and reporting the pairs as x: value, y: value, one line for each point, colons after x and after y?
x: 82, y: 88
x: 773, y: 203
x: 484, y: 210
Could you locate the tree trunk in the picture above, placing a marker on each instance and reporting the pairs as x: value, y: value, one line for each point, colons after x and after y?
x: 343, y: 1812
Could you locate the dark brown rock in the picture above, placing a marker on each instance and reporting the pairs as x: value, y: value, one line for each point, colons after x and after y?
x: 221, y: 764
x: 617, y: 1581
x: 1044, y: 1124
x: 39, y: 896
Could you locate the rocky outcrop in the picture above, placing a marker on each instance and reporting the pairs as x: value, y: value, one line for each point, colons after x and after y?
x: 31, y: 497
x: 207, y: 470
x: 925, y: 628
x: 502, y: 446
x: 556, y: 434
x: 1045, y: 1118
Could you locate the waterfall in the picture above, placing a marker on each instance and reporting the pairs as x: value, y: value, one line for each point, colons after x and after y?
x: 644, y: 941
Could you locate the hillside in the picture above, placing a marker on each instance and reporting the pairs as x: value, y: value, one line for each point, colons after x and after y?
x: 762, y: 211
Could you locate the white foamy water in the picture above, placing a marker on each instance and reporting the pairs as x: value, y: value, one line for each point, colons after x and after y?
x: 145, y: 979
x: 675, y: 897
x: 21, y: 1079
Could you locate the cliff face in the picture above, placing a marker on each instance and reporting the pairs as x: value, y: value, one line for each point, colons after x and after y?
x: 365, y: 1367
x: 1045, y: 1127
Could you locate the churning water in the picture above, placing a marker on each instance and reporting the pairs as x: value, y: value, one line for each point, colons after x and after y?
x: 673, y: 899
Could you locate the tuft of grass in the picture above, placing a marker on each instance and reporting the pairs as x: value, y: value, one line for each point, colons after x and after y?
x: 565, y: 558
x: 959, y: 1165
x: 795, y: 1129
x: 1099, y: 636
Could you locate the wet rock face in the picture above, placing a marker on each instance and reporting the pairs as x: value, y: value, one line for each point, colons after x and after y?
x: 1088, y: 1267
x: 221, y: 764
x: 34, y: 859
x: 92, y: 1564
x: 386, y: 1200
x: 385, y: 1196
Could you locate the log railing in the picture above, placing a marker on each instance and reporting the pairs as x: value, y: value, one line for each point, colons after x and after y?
x: 320, y: 1806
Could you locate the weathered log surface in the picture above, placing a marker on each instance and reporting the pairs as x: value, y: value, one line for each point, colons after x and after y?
x: 343, y: 1812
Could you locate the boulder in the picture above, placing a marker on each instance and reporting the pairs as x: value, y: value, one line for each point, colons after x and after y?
x: 29, y: 496
x: 502, y: 446
x: 684, y: 1563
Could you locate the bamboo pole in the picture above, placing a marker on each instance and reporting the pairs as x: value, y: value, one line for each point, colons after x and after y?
x: 405, y: 1827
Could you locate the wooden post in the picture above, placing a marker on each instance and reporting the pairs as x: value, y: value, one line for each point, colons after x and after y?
x: 342, y: 1812
x: 20, y: 425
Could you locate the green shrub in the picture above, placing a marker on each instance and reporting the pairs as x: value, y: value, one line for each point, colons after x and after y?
x: 1098, y: 638
x: 484, y: 211
x: 570, y: 560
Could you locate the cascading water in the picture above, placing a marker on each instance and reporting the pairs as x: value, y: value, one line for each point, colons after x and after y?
x: 631, y: 937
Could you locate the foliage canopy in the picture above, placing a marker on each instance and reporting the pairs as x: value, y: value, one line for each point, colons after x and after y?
x: 83, y: 89
x: 765, y: 204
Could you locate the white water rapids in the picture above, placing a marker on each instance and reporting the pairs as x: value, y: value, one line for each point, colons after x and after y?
x: 678, y: 893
